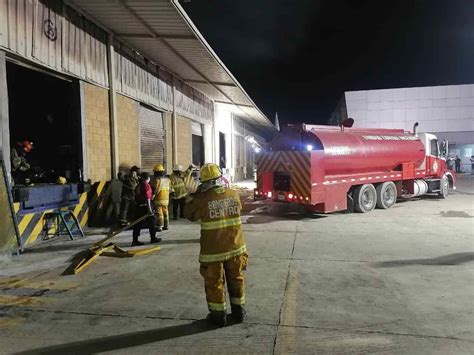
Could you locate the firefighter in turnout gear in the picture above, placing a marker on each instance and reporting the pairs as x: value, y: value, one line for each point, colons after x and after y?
x: 178, y: 188
x: 19, y: 164
x: 160, y: 185
x: 223, y: 255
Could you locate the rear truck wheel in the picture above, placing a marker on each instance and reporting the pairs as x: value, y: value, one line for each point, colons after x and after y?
x: 443, y: 187
x: 365, y: 198
x: 386, y: 195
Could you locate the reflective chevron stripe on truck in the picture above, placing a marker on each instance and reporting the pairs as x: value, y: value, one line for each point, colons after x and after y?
x: 296, y: 163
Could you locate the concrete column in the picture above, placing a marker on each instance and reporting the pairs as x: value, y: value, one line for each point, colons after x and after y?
x: 85, y: 156
x: 245, y: 151
x: 174, y: 126
x: 4, y: 120
x: 215, y: 138
x: 232, y: 148
x: 213, y: 135
x: 207, y: 133
x: 113, y: 106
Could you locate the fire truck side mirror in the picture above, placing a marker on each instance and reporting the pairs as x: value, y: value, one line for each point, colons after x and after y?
x: 348, y: 122
x: 444, y: 149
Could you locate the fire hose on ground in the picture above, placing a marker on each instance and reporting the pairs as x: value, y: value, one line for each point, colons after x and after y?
x: 105, y: 248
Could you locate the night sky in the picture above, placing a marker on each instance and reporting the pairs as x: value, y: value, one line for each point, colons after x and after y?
x: 297, y: 57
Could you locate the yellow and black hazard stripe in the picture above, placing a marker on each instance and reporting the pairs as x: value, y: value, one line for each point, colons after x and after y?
x: 299, y: 165
x: 31, y: 225
x: 94, y: 209
x: 100, y: 205
x: 296, y: 163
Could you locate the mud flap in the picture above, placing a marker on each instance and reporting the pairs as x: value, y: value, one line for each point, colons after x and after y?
x: 350, y: 204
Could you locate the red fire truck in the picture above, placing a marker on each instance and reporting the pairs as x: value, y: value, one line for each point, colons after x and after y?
x: 330, y: 168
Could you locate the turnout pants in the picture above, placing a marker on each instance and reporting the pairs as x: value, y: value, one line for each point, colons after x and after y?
x: 215, y: 276
x: 179, y: 203
x: 162, y: 215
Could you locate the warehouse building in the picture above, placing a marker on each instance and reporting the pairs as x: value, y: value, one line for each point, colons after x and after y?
x: 446, y: 111
x: 100, y: 86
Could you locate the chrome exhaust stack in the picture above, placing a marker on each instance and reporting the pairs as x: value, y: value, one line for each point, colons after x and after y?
x: 415, y: 129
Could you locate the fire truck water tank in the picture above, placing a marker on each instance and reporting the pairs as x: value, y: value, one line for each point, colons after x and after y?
x: 364, y: 151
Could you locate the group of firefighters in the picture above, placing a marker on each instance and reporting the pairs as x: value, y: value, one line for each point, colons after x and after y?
x: 223, y: 255
x: 138, y: 188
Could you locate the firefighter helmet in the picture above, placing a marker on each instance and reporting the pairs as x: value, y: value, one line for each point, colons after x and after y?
x: 159, y: 168
x: 178, y: 167
x: 210, y: 172
x: 27, y: 146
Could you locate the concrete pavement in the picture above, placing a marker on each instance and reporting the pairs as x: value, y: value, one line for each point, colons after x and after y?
x: 390, y: 281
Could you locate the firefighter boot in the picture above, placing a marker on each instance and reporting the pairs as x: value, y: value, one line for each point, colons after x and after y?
x: 238, y: 313
x: 154, y: 239
x: 218, y: 318
x: 135, y: 242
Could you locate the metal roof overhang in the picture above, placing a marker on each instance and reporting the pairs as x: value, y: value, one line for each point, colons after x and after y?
x: 162, y: 31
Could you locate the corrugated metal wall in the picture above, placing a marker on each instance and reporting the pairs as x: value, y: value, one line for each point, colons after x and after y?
x: 38, y: 31
x: 166, y: 88
x: 84, y: 51
x: 52, y: 34
x: 192, y: 103
x: 152, y: 86
x: 16, y: 26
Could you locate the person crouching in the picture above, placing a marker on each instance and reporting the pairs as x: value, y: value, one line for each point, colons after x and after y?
x: 143, y: 196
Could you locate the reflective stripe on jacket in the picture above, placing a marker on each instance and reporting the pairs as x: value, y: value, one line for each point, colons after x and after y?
x: 161, y: 189
x: 178, y: 186
x: 191, y: 184
x: 221, y: 232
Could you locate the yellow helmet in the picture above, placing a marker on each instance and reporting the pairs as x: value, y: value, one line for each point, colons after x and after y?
x: 62, y: 180
x: 210, y: 172
x: 159, y: 167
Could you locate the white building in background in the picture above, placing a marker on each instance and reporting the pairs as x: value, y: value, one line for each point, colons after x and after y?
x: 447, y: 111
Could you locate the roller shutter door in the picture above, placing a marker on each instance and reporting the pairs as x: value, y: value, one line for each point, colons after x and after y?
x: 196, y: 129
x: 152, y: 138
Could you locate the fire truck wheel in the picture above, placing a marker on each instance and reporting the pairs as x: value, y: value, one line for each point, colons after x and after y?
x: 386, y: 195
x: 444, y: 187
x: 365, y: 198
